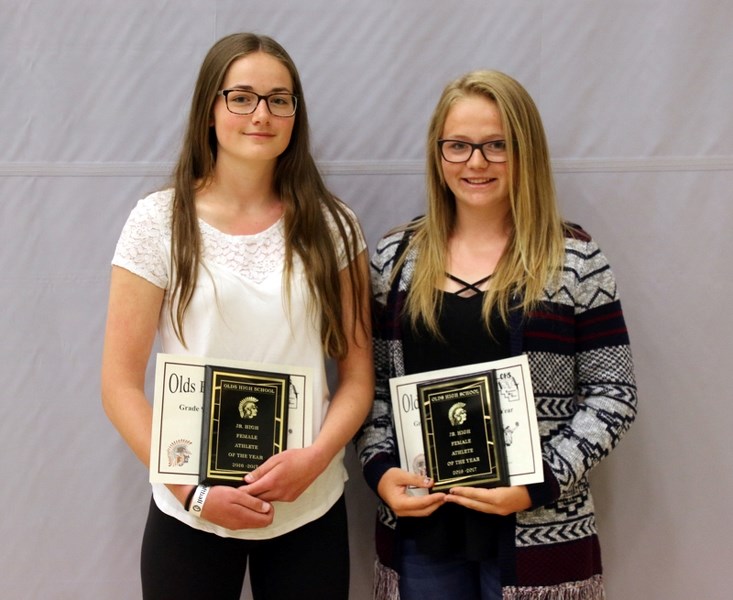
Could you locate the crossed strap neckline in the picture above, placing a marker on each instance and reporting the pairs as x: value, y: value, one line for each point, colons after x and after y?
x: 473, y: 287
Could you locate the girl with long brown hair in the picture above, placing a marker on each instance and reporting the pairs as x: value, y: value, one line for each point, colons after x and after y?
x: 246, y: 256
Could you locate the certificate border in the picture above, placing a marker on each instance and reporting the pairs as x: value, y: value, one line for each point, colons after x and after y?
x: 303, y: 405
x: 409, y: 436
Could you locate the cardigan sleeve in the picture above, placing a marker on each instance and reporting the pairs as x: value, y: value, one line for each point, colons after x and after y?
x: 588, y: 396
x: 376, y: 443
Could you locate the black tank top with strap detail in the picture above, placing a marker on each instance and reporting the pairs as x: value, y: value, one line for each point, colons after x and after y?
x: 452, y: 529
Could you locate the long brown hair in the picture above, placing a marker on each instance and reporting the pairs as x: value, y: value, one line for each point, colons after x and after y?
x: 534, y: 253
x: 298, y: 183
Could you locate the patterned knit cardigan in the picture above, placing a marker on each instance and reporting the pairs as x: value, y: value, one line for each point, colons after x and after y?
x: 583, y: 380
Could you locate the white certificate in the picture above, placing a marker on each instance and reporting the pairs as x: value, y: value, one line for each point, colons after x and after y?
x: 518, y: 415
x: 175, y: 449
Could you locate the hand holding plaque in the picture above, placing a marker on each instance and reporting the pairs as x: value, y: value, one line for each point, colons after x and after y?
x: 244, y: 422
x: 461, y: 426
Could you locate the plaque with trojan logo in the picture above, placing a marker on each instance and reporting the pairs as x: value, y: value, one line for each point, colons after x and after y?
x: 462, y: 431
x: 244, y: 422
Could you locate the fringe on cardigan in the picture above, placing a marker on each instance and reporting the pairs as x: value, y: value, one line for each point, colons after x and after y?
x: 386, y: 587
x: 588, y: 589
x: 386, y: 583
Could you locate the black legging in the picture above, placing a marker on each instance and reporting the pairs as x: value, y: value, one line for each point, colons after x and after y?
x: 180, y: 563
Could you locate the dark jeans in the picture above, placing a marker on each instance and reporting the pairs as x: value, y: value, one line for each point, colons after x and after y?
x: 424, y: 577
x: 180, y: 563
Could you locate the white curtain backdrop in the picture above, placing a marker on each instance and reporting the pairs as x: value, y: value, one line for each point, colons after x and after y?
x: 636, y: 97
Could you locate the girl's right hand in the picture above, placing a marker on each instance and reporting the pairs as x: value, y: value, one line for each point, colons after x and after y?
x: 234, y: 508
x: 392, y: 489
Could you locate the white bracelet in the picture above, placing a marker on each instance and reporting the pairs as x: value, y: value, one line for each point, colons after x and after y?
x: 198, y: 500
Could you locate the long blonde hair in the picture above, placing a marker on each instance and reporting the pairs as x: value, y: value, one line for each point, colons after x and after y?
x: 298, y: 183
x: 535, y: 250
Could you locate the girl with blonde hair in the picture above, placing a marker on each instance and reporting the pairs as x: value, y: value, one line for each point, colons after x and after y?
x: 492, y: 271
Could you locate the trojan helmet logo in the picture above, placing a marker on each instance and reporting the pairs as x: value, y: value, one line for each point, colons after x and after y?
x: 457, y: 414
x: 248, y: 407
x: 179, y: 453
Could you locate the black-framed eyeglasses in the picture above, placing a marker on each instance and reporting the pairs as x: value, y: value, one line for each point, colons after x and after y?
x: 458, y: 151
x: 245, y: 102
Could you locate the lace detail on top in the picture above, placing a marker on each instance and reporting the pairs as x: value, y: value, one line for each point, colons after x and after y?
x: 141, y: 247
x: 144, y: 244
x: 254, y: 257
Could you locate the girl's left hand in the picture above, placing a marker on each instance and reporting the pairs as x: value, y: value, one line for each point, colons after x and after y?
x: 499, y: 501
x: 285, y: 476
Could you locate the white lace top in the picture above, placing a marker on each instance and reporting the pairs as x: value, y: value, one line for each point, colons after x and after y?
x: 238, y: 311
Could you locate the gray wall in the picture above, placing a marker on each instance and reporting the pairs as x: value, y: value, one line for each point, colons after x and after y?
x: 636, y: 100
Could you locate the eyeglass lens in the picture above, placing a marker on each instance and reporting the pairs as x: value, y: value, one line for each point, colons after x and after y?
x: 461, y: 151
x: 243, y: 102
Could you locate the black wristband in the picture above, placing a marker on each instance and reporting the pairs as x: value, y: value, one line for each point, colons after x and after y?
x: 187, y: 504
